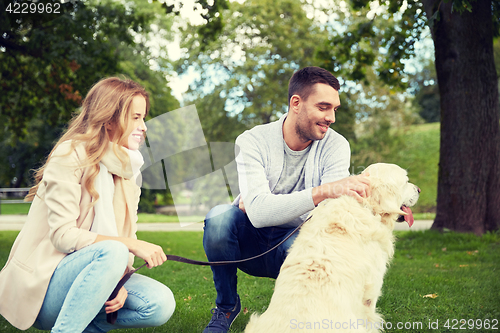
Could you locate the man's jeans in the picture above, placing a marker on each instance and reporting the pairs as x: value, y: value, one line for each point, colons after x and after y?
x: 82, y: 283
x: 229, y: 235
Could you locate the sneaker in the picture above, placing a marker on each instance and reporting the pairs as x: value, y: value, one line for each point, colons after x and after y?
x: 222, y: 319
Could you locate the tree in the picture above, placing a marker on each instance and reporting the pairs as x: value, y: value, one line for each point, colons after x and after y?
x: 462, y: 31
x: 469, y: 166
x: 48, y: 61
x: 260, y: 46
x: 245, y: 73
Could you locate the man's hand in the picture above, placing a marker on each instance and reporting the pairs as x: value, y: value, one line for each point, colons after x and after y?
x: 241, y: 206
x: 118, y: 302
x: 355, y: 186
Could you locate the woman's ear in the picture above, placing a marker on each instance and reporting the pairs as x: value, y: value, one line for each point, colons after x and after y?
x: 110, y: 128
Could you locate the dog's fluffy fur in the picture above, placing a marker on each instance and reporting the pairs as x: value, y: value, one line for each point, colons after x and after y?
x: 332, y: 277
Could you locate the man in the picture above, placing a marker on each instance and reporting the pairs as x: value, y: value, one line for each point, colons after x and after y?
x: 285, y: 168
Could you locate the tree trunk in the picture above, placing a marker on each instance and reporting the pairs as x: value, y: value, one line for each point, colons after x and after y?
x: 468, y: 182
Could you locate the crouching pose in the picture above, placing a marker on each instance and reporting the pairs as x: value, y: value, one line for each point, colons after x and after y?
x: 285, y: 168
x: 80, y: 235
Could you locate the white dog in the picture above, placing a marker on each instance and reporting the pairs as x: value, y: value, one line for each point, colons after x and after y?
x: 332, y: 277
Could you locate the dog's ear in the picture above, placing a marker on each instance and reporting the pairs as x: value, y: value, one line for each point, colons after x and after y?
x: 385, y: 197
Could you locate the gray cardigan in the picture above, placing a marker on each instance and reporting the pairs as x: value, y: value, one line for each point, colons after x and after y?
x: 259, y: 159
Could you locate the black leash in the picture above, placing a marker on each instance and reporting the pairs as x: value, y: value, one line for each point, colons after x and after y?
x: 111, y: 317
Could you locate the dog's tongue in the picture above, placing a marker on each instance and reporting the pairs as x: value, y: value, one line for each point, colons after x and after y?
x: 408, y: 216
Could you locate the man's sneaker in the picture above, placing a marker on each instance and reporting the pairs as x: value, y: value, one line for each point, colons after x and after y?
x: 222, y: 319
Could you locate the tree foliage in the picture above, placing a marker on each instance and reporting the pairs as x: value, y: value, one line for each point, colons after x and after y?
x: 245, y: 73
x: 384, y: 37
x: 48, y: 62
x: 262, y: 43
x: 211, y: 11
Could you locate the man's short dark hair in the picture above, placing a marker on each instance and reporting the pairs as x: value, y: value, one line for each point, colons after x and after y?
x: 303, y: 80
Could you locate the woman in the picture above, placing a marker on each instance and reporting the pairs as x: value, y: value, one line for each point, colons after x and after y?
x: 79, y: 238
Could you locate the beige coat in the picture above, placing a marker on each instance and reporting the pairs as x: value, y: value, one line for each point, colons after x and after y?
x: 58, y: 223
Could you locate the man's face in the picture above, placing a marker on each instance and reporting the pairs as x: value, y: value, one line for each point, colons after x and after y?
x: 317, y: 112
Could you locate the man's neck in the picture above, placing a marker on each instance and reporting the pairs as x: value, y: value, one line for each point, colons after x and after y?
x: 291, y: 138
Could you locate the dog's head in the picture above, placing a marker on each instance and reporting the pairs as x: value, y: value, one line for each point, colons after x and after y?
x: 391, y: 193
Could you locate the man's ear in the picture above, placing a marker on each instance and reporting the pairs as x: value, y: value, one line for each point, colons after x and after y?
x: 294, y: 103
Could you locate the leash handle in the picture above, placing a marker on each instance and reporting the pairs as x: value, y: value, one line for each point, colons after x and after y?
x: 111, y: 317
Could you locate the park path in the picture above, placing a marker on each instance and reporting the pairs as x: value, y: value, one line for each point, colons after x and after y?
x: 16, y: 222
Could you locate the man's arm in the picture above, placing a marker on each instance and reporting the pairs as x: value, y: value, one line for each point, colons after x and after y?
x: 267, y: 209
x: 264, y: 208
x: 335, y: 179
x: 356, y: 186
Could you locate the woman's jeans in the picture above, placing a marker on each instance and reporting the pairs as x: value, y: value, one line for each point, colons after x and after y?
x: 82, y: 283
x: 229, y: 235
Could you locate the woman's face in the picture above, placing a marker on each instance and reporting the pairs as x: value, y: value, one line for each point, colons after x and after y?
x: 136, y: 128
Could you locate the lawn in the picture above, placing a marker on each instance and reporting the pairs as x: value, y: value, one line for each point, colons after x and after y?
x: 421, y: 159
x: 23, y: 208
x: 10, y: 209
x: 461, y: 269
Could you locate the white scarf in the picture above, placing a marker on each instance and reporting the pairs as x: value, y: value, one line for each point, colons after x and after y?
x: 104, y: 219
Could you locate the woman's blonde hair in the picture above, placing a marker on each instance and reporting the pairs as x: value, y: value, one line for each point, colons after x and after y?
x: 107, y: 103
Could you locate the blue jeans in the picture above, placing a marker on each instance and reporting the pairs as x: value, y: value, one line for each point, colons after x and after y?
x: 82, y: 283
x: 229, y: 235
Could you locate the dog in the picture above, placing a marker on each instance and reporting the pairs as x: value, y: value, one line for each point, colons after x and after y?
x: 333, y: 274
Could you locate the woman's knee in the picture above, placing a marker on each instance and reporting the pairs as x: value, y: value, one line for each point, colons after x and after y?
x: 164, y: 306
x: 153, y: 301
x: 115, y: 253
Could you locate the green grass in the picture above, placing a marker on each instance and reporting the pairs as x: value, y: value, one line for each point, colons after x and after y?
x: 10, y: 209
x: 14, y: 209
x: 462, y: 269
x: 421, y: 159
x: 160, y: 218
x: 424, y: 216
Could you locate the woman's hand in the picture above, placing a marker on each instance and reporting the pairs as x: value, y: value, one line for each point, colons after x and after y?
x: 118, y: 302
x: 151, y: 253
